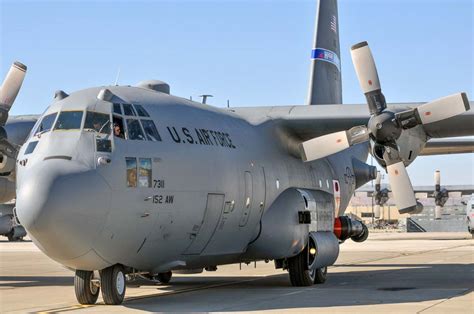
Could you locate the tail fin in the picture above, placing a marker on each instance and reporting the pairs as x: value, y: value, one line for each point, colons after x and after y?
x: 325, y: 86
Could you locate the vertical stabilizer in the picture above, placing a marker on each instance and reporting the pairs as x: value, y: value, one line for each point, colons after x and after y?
x: 325, y: 86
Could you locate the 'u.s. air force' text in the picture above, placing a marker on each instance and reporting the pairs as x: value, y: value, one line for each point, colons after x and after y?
x: 200, y: 136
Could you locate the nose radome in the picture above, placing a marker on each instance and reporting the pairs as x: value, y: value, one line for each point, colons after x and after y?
x: 63, y: 206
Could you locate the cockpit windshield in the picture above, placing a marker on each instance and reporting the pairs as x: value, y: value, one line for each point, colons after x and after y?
x: 46, y: 123
x: 99, y: 122
x: 69, y: 120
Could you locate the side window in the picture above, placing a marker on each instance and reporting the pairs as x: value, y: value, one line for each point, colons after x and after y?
x: 144, y: 174
x: 117, y: 109
x: 31, y: 147
x: 128, y: 110
x: 151, y: 131
x: 134, y: 130
x: 46, y: 124
x: 69, y: 120
x: 141, y: 111
x: 99, y: 122
x: 131, y: 172
x: 118, y: 127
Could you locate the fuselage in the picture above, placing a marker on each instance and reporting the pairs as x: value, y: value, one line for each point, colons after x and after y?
x: 189, y: 194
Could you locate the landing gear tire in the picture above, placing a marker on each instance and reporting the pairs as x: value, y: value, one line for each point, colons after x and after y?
x: 165, y: 277
x: 363, y: 236
x: 321, y: 275
x: 300, y: 274
x: 113, y: 284
x: 11, y: 237
x: 87, y: 291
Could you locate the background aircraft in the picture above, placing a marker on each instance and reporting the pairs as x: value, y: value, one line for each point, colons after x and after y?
x: 178, y: 185
x: 382, y: 193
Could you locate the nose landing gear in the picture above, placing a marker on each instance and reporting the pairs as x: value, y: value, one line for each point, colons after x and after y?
x: 86, y: 287
x: 112, y: 282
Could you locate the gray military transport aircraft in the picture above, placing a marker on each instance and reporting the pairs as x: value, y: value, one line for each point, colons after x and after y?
x: 122, y: 181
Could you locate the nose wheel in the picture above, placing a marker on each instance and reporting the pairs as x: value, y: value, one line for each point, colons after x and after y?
x: 86, y: 287
x: 113, y: 284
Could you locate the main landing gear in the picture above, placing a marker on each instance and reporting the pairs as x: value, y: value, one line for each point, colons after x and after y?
x: 302, y: 273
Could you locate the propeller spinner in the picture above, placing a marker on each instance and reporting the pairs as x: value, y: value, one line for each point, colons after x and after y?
x: 384, y: 127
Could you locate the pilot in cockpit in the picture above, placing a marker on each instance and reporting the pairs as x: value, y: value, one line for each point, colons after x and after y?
x: 118, y: 130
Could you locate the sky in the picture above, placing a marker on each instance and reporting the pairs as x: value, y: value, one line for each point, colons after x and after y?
x: 252, y: 53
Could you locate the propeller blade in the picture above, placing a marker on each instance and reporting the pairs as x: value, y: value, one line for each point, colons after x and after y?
x: 368, y: 77
x: 378, y: 181
x: 329, y: 144
x: 377, y: 211
x: 11, y: 85
x: 401, y: 187
x: 443, y: 108
x: 434, y: 111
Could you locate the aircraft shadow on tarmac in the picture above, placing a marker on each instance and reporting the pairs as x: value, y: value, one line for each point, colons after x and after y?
x: 404, y: 284
x: 35, y: 281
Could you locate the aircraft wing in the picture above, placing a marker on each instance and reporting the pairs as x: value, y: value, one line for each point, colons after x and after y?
x: 448, y: 146
x: 368, y: 189
x: 308, y: 122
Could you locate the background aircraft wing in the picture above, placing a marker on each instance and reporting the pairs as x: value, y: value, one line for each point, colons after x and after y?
x: 448, y: 146
x: 368, y: 189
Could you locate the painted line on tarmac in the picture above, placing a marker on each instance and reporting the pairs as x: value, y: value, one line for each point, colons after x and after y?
x: 153, y: 295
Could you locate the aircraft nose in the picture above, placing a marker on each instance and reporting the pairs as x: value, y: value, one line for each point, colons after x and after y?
x: 63, y: 205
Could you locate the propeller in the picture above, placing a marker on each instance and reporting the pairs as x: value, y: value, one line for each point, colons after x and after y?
x: 441, y: 195
x: 8, y: 92
x: 10, y: 88
x: 380, y: 195
x: 384, y: 127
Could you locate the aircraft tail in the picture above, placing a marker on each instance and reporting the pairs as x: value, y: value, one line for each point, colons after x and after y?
x: 325, y: 86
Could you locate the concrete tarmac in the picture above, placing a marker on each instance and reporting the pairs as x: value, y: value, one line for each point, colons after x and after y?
x: 390, y: 272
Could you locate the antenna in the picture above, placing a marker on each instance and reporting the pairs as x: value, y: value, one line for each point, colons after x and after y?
x: 204, y: 98
x: 117, y: 77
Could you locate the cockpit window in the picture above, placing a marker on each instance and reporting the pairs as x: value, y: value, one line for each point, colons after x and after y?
x: 69, y: 120
x: 99, y: 122
x: 128, y: 110
x: 151, y: 131
x: 46, y: 124
x: 141, y: 111
x: 117, y: 109
x: 134, y: 130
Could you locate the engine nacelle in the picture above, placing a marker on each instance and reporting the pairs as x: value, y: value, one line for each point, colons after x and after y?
x: 7, y: 164
x: 281, y: 234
